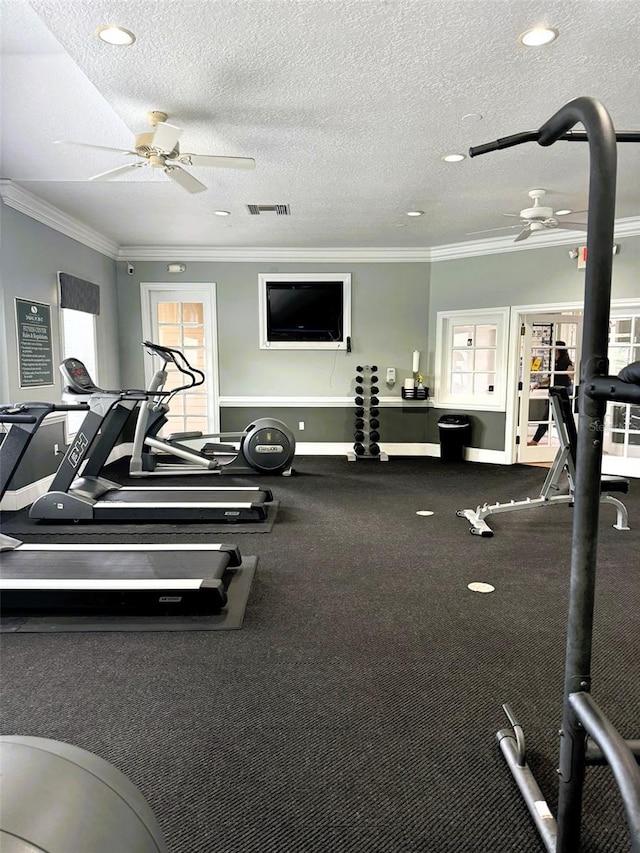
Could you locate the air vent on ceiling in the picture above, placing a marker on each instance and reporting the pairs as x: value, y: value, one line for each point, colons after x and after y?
x: 278, y: 209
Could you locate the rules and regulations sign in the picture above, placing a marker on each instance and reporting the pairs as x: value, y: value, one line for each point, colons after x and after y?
x: 35, y: 352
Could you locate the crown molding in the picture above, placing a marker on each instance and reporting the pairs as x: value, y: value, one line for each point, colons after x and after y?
x: 629, y: 227
x: 20, y: 199
x: 25, y: 202
x: 283, y: 254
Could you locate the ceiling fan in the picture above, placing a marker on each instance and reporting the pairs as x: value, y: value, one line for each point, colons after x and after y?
x: 537, y: 218
x: 159, y: 149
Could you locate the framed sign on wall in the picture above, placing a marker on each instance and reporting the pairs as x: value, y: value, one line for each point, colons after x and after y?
x: 35, y: 350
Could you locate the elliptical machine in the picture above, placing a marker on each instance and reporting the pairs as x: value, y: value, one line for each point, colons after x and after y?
x: 266, y: 445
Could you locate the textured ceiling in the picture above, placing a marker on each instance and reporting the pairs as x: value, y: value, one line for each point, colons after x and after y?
x: 346, y: 105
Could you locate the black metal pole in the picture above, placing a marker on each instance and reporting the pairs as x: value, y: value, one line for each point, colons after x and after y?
x: 597, y: 297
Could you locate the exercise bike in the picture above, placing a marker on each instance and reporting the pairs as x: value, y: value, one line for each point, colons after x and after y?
x: 265, y: 446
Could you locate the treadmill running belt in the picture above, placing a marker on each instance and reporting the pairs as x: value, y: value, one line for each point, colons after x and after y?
x: 120, y: 579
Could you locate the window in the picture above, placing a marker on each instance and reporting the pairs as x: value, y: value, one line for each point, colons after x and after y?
x: 471, y: 359
x: 622, y: 421
x: 78, y: 335
x: 79, y: 306
x: 305, y: 311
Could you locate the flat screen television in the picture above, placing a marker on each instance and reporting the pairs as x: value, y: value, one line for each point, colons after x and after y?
x: 304, y: 311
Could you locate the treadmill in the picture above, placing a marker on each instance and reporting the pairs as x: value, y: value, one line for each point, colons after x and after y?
x: 156, y: 580
x: 78, y: 493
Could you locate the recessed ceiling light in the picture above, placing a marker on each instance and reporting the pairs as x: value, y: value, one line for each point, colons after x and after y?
x: 538, y: 36
x: 415, y: 212
x: 564, y: 212
x: 113, y: 34
x: 222, y: 212
x: 454, y: 158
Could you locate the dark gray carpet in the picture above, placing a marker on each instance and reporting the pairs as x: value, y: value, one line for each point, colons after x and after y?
x: 356, y: 710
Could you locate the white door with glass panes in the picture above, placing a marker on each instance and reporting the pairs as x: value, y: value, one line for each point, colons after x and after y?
x: 184, y: 319
x: 550, y: 347
x: 621, y: 442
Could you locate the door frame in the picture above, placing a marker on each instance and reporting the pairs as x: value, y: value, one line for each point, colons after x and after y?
x: 518, y: 313
x: 182, y: 293
x: 545, y: 453
x: 513, y: 402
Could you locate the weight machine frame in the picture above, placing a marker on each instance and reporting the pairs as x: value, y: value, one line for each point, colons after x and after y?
x: 587, y: 736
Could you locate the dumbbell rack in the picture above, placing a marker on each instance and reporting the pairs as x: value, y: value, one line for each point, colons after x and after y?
x: 366, y: 424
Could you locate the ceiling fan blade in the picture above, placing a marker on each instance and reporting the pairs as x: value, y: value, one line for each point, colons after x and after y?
x: 571, y: 226
x: 166, y: 136
x: 526, y: 232
x: 517, y: 215
x: 186, y: 181
x: 97, y: 147
x: 112, y: 173
x: 210, y: 160
x: 488, y: 230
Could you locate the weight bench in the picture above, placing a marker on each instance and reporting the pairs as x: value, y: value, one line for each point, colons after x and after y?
x: 565, y: 460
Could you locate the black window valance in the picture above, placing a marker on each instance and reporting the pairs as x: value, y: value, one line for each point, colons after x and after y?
x: 78, y: 294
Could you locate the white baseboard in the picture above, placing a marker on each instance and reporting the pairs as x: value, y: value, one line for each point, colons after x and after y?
x: 338, y: 448
x: 26, y: 495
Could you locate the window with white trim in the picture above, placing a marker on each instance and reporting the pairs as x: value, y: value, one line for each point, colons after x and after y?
x: 622, y: 421
x: 471, y: 359
x: 78, y: 340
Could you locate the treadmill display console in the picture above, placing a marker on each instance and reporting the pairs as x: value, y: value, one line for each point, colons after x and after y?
x: 77, y: 378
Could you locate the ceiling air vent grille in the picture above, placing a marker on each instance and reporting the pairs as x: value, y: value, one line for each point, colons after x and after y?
x: 278, y: 209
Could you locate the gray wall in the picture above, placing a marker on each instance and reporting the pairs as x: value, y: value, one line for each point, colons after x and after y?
x: 536, y: 276
x: 394, y: 308
x: 32, y: 254
x: 389, y: 306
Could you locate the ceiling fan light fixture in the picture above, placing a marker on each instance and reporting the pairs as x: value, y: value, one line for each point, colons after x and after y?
x: 113, y: 34
x: 454, y: 158
x: 415, y: 212
x: 538, y: 36
x: 222, y: 213
x: 564, y: 212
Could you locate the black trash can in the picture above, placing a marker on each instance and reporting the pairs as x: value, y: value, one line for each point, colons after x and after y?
x: 455, y: 435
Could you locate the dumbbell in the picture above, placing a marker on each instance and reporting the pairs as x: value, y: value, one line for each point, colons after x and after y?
x: 374, y: 450
x: 374, y: 412
x: 359, y: 412
x: 374, y: 435
x: 373, y: 401
x: 374, y: 368
x: 359, y: 435
x: 359, y: 449
x: 373, y: 378
x: 374, y: 423
x: 359, y: 423
x: 374, y: 389
x: 359, y: 401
